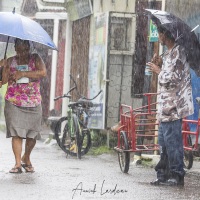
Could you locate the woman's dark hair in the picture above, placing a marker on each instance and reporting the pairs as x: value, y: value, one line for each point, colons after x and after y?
x: 163, y: 30
x: 19, y: 41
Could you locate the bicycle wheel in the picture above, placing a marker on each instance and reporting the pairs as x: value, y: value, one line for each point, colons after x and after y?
x: 79, y: 144
x: 124, y: 156
x: 61, y: 132
x: 67, y: 142
x: 188, y: 156
x: 83, y: 140
x: 188, y: 159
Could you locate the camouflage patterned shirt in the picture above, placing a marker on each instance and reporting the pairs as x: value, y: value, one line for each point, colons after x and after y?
x: 175, y: 98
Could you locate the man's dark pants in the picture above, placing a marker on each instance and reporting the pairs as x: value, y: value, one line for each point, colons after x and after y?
x: 171, y: 150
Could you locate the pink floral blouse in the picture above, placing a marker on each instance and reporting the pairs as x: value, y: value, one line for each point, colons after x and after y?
x: 24, y: 94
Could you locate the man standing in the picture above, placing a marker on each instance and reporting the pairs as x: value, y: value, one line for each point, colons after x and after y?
x: 174, y: 103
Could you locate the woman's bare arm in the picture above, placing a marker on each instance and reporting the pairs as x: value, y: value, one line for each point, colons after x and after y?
x: 37, y: 74
x: 6, y: 70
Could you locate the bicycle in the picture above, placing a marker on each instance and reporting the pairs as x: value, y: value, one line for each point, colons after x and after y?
x: 71, y: 132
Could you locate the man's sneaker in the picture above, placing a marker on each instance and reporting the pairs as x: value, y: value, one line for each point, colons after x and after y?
x: 177, y: 181
x: 158, y: 182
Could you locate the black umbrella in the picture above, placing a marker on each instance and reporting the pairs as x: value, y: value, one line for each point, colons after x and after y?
x: 183, y: 34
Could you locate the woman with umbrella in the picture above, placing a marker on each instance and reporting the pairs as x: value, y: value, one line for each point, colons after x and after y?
x: 174, y: 104
x: 23, y: 111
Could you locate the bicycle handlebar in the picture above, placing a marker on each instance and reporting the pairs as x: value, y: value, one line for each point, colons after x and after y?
x: 75, y: 87
x: 93, y: 97
x: 63, y: 96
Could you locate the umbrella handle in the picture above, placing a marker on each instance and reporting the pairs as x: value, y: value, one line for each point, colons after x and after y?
x: 1, y: 69
x: 6, y: 47
x: 1, y: 73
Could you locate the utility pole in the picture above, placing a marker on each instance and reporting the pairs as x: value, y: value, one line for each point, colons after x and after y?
x: 147, y: 83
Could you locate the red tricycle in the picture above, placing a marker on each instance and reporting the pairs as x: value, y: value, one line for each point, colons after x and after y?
x: 139, y: 124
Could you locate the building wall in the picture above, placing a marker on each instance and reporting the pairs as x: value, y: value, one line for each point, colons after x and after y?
x: 121, y: 47
x: 60, y: 66
x: 8, y: 5
x: 126, y: 71
x: 188, y: 11
x: 80, y: 55
x: 46, y: 55
x: 114, y: 5
x: 183, y: 8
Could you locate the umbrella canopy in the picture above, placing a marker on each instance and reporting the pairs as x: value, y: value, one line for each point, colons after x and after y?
x: 182, y: 33
x: 13, y: 25
x: 19, y: 26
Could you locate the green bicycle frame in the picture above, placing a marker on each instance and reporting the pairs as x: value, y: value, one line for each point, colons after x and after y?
x: 71, y: 125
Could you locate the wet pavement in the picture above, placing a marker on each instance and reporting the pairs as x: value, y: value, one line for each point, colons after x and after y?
x: 61, y: 178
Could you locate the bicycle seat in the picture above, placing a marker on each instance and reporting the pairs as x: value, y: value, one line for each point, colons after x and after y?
x: 72, y: 104
x: 85, y: 103
x: 81, y: 103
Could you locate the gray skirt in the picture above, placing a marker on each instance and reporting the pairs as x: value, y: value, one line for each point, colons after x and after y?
x: 23, y: 122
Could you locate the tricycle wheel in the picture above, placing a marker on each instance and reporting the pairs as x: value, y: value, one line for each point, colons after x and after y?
x: 188, y: 159
x: 124, y: 156
x: 188, y: 155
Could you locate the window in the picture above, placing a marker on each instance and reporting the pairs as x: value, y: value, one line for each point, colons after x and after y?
x: 121, y: 34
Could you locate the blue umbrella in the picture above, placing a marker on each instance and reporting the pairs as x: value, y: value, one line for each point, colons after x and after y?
x: 13, y: 25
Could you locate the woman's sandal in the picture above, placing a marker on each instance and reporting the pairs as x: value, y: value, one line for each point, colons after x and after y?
x: 28, y: 168
x: 16, y: 170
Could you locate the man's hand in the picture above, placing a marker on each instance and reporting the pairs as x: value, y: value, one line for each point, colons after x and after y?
x: 153, y: 67
x: 157, y: 60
